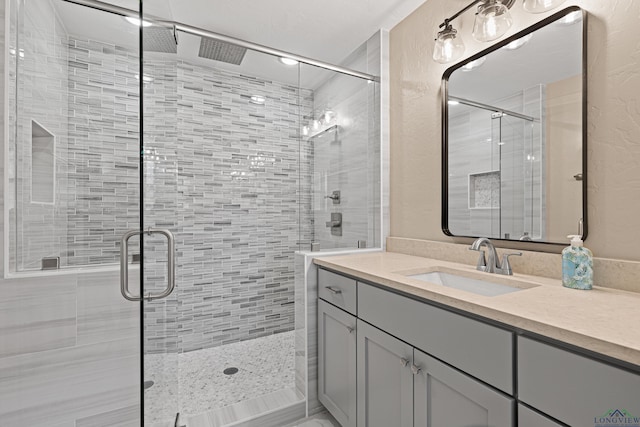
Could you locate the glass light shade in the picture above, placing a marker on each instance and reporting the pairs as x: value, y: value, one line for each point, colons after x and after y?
x: 492, y: 21
x: 448, y: 47
x: 540, y: 6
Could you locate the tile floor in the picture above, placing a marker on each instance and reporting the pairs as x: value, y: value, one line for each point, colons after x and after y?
x: 265, y: 365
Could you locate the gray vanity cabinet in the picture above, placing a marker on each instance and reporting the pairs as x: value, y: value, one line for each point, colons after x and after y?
x: 445, y: 397
x: 337, y: 362
x: 385, y: 381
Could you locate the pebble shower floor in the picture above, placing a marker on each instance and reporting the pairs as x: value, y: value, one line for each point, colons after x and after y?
x: 265, y: 365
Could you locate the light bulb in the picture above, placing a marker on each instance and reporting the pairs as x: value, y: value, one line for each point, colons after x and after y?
x: 492, y: 21
x: 448, y: 47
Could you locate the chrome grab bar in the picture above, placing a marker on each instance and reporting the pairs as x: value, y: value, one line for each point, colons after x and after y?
x: 124, y: 264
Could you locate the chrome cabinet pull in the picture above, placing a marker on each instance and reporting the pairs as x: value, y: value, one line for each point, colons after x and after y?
x: 124, y: 264
x: 350, y: 329
x: 333, y: 290
x: 404, y: 361
x: 415, y: 369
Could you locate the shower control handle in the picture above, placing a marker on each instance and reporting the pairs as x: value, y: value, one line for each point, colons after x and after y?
x: 335, y: 224
x: 335, y: 196
x: 124, y: 264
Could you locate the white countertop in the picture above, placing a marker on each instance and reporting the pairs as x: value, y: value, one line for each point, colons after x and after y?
x: 603, y: 320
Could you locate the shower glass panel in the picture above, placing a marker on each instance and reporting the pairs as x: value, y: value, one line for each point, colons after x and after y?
x: 495, y: 184
x: 475, y: 181
x: 519, y: 178
x: 342, y: 131
x: 69, y: 345
x: 223, y: 171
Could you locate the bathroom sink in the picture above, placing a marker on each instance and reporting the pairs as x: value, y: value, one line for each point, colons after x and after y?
x: 476, y: 286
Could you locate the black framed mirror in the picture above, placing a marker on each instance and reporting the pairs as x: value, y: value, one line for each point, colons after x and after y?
x: 514, y: 136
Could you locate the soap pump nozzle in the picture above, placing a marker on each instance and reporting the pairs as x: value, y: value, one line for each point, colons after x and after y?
x: 576, y: 240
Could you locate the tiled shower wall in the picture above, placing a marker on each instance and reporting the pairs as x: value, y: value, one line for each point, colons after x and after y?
x: 237, y: 209
x: 225, y: 175
x: 229, y: 193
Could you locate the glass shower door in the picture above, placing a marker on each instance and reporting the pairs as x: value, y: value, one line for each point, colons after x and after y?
x: 160, y: 226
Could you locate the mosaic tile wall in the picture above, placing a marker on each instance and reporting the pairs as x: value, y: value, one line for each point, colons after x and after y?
x: 102, y: 158
x: 228, y: 193
x: 230, y: 178
x: 225, y: 175
x: 236, y: 208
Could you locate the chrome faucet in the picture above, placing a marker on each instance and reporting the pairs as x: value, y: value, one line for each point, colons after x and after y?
x: 492, y: 265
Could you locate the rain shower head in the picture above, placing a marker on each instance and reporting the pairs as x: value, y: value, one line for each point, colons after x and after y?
x: 160, y: 39
x: 221, y: 51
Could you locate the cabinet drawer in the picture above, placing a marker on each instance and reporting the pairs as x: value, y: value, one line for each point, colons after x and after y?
x: 572, y: 388
x: 338, y: 290
x: 481, y: 350
x: 529, y: 418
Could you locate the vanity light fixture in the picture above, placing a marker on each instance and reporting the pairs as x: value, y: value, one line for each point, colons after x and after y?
x: 493, y: 20
x: 448, y: 47
x: 540, y: 6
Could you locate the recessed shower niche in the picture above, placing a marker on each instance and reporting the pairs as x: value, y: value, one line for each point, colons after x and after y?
x: 43, y: 164
x: 484, y: 190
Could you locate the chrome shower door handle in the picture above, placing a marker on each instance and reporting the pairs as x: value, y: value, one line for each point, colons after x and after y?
x: 171, y: 263
x: 124, y: 264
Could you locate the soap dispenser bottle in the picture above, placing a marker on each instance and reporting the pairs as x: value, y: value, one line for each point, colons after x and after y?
x: 577, y: 265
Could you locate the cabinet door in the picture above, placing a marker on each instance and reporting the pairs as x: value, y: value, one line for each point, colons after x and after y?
x: 445, y: 397
x: 385, y: 382
x: 337, y: 363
